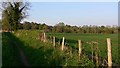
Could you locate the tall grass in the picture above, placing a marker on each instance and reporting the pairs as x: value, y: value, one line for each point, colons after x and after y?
x: 9, y: 52
x: 44, y: 54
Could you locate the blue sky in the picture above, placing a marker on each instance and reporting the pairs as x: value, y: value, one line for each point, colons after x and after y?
x: 74, y: 13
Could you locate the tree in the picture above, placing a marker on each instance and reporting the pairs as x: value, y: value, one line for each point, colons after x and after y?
x: 45, y: 27
x: 0, y: 24
x: 13, y: 13
x: 54, y: 29
x: 67, y: 29
x: 40, y: 26
x: 20, y: 26
x: 26, y: 25
x: 6, y: 20
x: 60, y: 27
x: 34, y: 25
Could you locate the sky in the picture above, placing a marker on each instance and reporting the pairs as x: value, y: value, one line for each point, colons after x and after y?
x: 74, y: 13
x: 61, y: 0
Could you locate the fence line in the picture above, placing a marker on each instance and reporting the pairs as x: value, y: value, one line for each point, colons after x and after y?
x: 92, y: 49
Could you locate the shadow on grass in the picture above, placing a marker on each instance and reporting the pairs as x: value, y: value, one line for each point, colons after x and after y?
x: 9, y: 52
x: 35, y: 57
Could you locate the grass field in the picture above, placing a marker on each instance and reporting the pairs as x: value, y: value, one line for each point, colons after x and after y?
x: 39, y: 53
x: 72, y: 40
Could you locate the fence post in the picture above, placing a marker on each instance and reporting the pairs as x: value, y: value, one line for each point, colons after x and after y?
x: 63, y: 43
x: 80, y: 47
x: 97, y: 58
x: 51, y: 40
x: 44, y: 36
x: 109, y: 52
x: 41, y: 37
x: 54, y: 41
x: 92, y: 48
x: 59, y: 42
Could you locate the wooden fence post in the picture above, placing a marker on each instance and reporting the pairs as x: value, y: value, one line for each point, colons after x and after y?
x: 44, y: 36
x: 41, y: 36
x: 92, y: 48
x: 109, y: 52
x: 97, y: 55
x: 80, y: 47
x: 54, y: 41
x: 51, y: 40
x: 59, y: 42
x: 63, y: 43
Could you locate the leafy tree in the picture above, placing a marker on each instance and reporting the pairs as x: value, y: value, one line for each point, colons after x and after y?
x: 45, y: 27
x: 0, y: 24
x: 54, y: 29
x: 67, y: 29
x: 26, y: 25
x: 20, y: 26
x: 34, y: 25
x: 60, y: 27
x: 13, y: 13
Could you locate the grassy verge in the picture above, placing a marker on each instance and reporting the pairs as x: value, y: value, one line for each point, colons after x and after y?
x: 9, y: 52
x: 44, y: 54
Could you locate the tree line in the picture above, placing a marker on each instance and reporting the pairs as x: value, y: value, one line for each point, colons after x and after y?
x: 14, y: 12
x: 64, y: 28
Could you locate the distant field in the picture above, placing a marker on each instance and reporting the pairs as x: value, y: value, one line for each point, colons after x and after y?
x: 36, y: 51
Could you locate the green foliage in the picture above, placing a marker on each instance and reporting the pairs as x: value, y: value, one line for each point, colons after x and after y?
x: 44, y: 54
x: 12, y: 14
x: 72, y: 40
x: 39, y: 53
x: 27, y: 25
x: 62, y: 28
x: 9, y: 52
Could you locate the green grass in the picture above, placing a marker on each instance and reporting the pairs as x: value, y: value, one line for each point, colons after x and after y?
x: 0, y: 49
x: 44, y: 54
x: 9, y: 52
x: 72, y: 38
x: 39, y: 53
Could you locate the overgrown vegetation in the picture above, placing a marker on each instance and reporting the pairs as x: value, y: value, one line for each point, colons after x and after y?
x: 10, y: 55
x: 39, y: 53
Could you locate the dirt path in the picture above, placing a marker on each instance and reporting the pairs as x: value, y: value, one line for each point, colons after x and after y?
x: 21, y: 54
